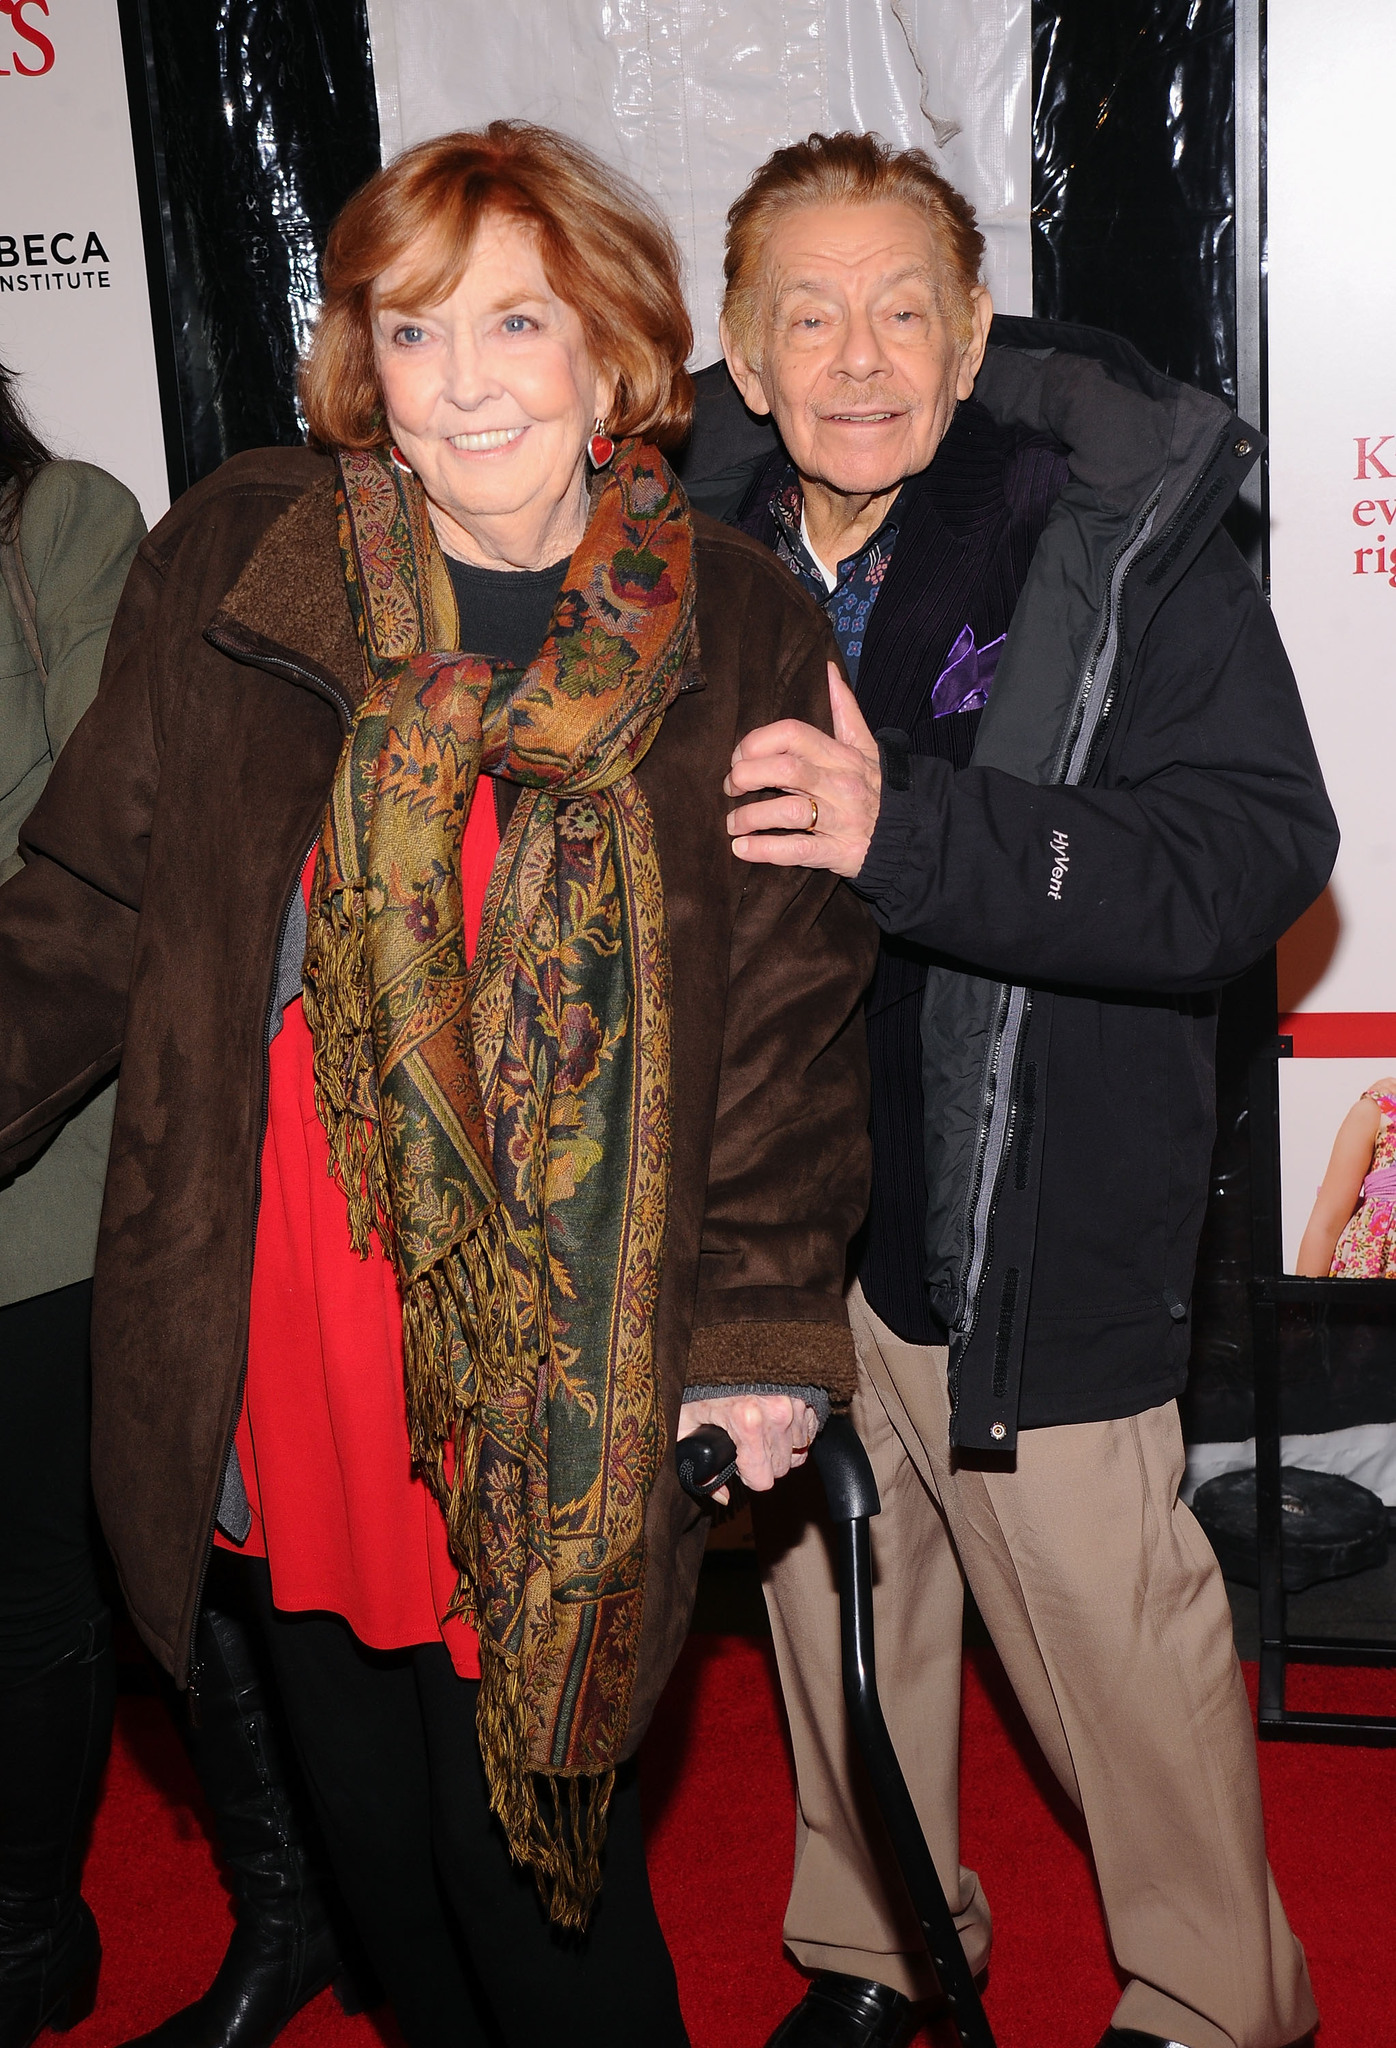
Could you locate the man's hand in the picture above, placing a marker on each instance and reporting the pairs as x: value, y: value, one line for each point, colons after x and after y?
x: 772, y: 1432
x: 833, y: 790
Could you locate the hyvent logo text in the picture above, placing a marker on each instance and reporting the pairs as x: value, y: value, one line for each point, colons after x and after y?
x: 1060, y: 845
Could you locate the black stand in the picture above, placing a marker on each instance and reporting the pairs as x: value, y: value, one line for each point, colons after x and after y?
x: 1271, y: 1292
x: 853, y: 1500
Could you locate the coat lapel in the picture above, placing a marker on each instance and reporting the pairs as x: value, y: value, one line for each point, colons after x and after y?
x: 951, y: 520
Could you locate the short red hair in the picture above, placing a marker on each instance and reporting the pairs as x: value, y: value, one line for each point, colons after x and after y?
x: 606, y: 252
x: 848, y: 170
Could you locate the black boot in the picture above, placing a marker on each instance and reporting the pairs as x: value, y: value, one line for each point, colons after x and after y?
x: 284, y: 1947
x: 55, y: 1732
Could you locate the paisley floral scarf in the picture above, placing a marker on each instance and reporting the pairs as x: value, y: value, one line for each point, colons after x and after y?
x: 504, y: 1128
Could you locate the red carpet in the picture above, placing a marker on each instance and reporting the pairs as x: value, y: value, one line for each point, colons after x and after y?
x: 718, y: 1755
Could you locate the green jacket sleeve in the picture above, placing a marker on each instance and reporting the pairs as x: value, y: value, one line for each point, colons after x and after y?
x: 79, y: 532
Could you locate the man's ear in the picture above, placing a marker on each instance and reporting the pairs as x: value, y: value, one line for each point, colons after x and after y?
x: 746, y: 378
x: 981, y: 314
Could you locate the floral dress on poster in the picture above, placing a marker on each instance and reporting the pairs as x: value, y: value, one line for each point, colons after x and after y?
x: 1367, y: 1248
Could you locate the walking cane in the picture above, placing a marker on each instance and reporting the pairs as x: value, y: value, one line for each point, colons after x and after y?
x: 707, y: 1460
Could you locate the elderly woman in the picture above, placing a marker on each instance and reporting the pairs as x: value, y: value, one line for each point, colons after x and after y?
x: 403, y: 1279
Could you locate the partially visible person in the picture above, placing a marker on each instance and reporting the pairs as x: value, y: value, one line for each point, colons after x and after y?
x: 475, y: 1105
x: 68, y: 533
x: 1351, y: 1233
x: 1072, y: 777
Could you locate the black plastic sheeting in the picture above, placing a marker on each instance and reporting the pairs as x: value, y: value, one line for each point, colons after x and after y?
x: 265, y: 121
x: 1133, y: 189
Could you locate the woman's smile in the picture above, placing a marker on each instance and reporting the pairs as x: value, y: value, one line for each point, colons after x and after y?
x: 487, y: 441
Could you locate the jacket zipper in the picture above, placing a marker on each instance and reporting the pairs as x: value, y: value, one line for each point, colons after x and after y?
x: 1180, y: 518
x: 998, y: 1115
x: 1097, y: 686
x: 979, y: 1210
x: 1094, y: 698
x: 294, y: 672
x: 283, y: 665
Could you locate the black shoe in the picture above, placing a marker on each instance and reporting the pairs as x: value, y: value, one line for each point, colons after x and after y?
x: 1130, y: 2037
x: 848, y: 2012
x: 55, y: 1732
x: 284, y: 1948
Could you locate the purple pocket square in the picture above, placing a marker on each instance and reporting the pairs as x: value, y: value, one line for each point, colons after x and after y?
x: 963, y: 684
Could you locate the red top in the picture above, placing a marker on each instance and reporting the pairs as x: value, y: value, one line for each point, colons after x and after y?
x: 322, y: 1439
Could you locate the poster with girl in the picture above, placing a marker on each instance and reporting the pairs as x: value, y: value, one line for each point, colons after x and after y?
x: 1351, y: 1231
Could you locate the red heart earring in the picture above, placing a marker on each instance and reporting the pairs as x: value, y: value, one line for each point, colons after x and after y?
x: 601, y: 447
x: 399, y: 460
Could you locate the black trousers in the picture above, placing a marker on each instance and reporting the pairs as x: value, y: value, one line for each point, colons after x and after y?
x: 49, y: 1592
x: 454, y: 1929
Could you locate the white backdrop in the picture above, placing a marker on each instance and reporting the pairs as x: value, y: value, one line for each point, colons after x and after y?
x: 1332, y: 363
x: 689, y: 96
x: 74, y: 306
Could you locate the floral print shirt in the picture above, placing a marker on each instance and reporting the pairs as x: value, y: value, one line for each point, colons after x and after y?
x: 859, y: 579
x: 1367, y: 1248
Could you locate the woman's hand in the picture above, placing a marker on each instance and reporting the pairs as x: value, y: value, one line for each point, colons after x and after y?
x: 833, y: 790
x: 772, y: 1432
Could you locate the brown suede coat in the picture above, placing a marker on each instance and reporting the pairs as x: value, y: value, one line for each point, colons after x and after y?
x: 144, y: 930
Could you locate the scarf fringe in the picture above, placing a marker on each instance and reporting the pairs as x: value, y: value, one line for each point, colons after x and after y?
x: 562, y: 1847
x: 461, y: 1343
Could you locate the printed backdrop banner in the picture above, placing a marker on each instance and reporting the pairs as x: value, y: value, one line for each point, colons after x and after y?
x: 1332, y: 420
x: 74, y: 304
x: 689, y: 97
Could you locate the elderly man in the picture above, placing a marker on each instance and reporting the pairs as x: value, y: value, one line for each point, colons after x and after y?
x: 1074, y: 782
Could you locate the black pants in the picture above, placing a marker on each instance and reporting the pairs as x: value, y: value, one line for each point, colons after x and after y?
x: 453, y: 1927
x: 49, y: 1594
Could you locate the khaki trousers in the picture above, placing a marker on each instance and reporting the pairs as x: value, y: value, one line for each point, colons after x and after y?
x: 1108, y: 1610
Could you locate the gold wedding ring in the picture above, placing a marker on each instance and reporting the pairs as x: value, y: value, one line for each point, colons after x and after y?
x: 813, y: 814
